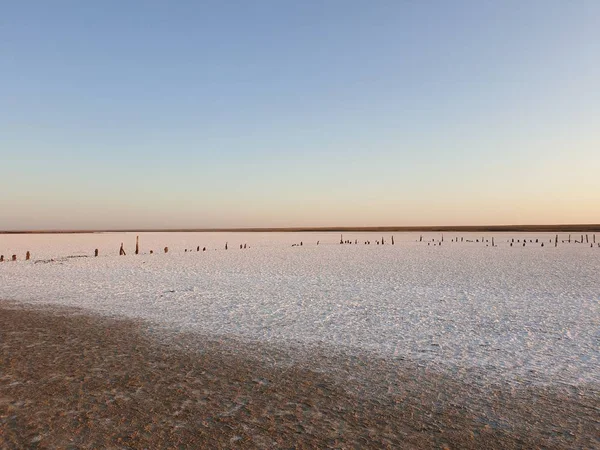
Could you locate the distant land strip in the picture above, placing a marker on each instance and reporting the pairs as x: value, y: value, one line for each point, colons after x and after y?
x: 574, y: 228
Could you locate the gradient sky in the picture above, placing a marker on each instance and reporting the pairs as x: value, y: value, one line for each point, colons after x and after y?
x: 124, y: 114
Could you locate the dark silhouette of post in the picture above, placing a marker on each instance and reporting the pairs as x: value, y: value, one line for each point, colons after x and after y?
x: 14, y: 257
x: 341, y: 238
x: 27, y: 255
x: 122, y: 251
x: 556, y: 241
x: 166, y: 249
x: 198, y: 248
x: 225, y: 245
x: 137, y: 245
x: 392, y: 240
x: 96, y: 252
x: 1, y: 258
x: 151, y: 252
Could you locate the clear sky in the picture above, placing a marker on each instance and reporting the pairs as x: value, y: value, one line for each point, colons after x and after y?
x: 125, y: 114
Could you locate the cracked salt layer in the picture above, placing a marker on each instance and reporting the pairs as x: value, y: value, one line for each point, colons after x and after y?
x: 521, y: 313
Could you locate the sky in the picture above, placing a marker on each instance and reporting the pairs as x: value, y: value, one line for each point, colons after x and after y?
x: 199, y: 114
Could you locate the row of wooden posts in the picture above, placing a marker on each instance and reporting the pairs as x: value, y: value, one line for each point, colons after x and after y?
x: 14, y: 257
x: 166, y: 249
x: 367, y: 242
x: 512, y: 241
x: 349, y: 241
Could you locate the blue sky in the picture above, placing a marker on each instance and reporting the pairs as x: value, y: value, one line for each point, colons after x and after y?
x: 275, y: 113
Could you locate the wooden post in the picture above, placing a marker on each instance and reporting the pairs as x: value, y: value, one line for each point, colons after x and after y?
x: 27, y: 255
x: 166, y: 249
x: 556, y: 241
x: 225, y: 245
x: 122, y: 251
x: 14, y: 257
x: 137, y: 245
x: 392, y: 240
x: 198, y: 248
x: 1, y: 258
x: 96, y: 252
x: 382, y: 241
x: 492, y: 241
x: 203, y: 249
x: 341, y: 238
x: 569, y: 239
x: 586, y: 239
x: 151, y: 252
x: 421, y: 238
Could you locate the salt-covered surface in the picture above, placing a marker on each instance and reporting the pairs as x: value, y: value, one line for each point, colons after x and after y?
x: 517, y: 313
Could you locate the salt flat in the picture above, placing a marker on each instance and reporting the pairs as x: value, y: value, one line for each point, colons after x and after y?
x: 521, y: 314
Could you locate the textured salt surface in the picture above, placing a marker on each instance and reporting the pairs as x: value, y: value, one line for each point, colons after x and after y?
x: 522, y: 314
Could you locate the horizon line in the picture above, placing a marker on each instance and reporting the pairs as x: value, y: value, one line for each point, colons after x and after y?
x: 424, y: 228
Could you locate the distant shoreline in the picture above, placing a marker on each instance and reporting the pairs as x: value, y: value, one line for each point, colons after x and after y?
x: 463, y: 228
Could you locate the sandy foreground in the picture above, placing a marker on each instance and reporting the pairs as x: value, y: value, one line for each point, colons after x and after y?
x: 69, y: 379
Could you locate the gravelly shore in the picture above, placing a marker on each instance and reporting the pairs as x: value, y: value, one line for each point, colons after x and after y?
x: 74, y: 380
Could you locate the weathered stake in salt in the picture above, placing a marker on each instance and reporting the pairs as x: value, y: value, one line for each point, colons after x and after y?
x: 137, y: 245
x: 122, y: 251
x: 96, y: 252
x: 27, y: 255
